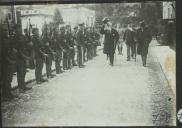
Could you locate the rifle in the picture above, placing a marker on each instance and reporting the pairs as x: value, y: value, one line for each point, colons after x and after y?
x: 115, y: 50
x: 135, y: 50
x: 29, y: 30
x: 8, y: 27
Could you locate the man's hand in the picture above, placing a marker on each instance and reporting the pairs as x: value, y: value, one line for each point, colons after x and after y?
x: 46, y: 55
x: 64, y: 50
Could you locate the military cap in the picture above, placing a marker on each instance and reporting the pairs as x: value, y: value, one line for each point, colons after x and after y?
x: 34, y: 30
x: 142, y: 24
x: 81, y: 24
x: 17, y: 26
x: 75, y: 27
x: 105, y: 20
x: 62, y: 26
x: 67, y: 26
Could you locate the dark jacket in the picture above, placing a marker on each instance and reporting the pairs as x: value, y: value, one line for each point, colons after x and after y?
x: 110, y: 40
x: 129, y: 37
x: 37, y: 45
x: 81, y: 37
x: 144, y: 38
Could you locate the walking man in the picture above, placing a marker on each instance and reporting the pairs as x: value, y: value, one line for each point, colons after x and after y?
x: 129, y: 40
x: 111, y: 38
x: 144, y: 38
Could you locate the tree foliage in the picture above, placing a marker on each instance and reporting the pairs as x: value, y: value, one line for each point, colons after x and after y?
x: 57, y: 19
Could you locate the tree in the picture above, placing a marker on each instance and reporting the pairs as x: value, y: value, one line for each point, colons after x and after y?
x: 150, y: 12
x: 57, y: 19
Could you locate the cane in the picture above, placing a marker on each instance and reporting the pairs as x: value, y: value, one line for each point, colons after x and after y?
x: 135, y: 51
x: 114, y: 52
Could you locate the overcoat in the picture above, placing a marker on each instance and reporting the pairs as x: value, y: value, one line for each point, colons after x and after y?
x: 144, y: 38
x: 111, y: 38
x: 129, y: 37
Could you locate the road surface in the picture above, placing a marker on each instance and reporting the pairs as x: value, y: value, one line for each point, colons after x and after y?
x: 97, y: 95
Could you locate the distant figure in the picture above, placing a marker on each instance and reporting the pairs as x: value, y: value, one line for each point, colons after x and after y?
x: 129, y: 40
x: 111, y: 38
x: 120, y: 42
x: 144, y: 38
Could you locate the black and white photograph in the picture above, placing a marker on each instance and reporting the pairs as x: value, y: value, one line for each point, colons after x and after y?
x: 88, y: 64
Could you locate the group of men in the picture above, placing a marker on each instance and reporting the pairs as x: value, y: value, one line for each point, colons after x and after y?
x: 136, y: 40
x: 31, y: 50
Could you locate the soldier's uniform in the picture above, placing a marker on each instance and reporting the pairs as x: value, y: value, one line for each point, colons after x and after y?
x: 65, y: 47
x: 88, y: 43
x: 29, y: 50
x: 84, y: 46
x: 9, y: 53
x: 71, y: 44
x: 57, y: 47
x: 80, y: 43
x: 74, y: 33
x: 21, y: 46
x: 39, y: 56
x: 49, y: 51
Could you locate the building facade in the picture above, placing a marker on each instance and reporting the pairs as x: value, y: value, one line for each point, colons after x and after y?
x: 169, y: 10
x: 35, y: 17
x: 75, y: 16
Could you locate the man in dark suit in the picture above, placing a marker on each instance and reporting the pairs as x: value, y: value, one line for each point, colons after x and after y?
x: 144, y: 38
x: 111, y: 38
x: 129, y: 40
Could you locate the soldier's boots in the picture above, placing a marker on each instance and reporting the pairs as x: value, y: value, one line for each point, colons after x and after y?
x: 8, y: 96
x: 74, y: 64
x: 81, y: 66
x: 51, y: 76
x: 22, y: 90
x: 41, y: 81
x: 59, y: 71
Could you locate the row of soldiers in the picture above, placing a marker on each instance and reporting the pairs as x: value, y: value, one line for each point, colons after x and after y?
x: 56, y: 43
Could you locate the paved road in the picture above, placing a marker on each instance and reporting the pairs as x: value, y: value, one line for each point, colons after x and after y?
x: 126, y: 94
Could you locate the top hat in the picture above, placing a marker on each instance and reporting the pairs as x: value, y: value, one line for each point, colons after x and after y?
x: 105, y: 20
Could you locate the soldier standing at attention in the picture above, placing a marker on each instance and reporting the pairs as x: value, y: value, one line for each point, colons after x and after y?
x: 65, y: 47
x: 57, y: 47
x: 29, y: 49
x: 48, y: 50
x: 39, y: 56
x: 71, y: 43
x: 9, y: 53
x: 21, y: 46
x: 88, y: 43
x: 84, y: 46
x: 80, y: 42
x: 75, y: 44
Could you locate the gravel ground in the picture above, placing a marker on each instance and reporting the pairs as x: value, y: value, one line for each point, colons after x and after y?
x: 97, y: 95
